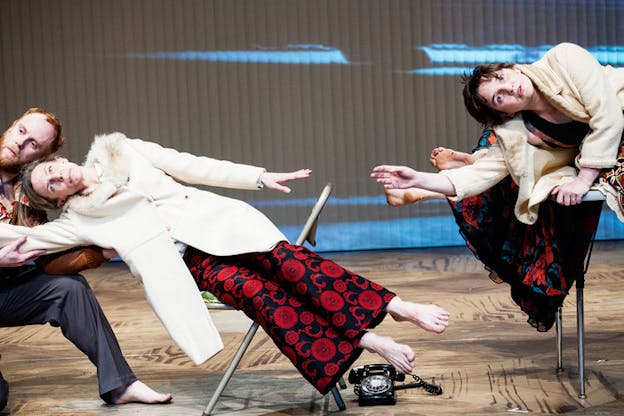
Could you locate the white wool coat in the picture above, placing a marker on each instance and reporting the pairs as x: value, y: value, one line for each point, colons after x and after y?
x: 139, y: 209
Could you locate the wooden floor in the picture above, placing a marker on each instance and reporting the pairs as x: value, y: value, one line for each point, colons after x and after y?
x: 489, y: 361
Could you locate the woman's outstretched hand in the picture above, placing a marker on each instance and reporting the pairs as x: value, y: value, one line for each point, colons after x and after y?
x: 273, y: 180
x: 394, y: 177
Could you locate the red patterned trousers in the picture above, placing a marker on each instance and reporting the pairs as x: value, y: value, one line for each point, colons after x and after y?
x: 314, y: 310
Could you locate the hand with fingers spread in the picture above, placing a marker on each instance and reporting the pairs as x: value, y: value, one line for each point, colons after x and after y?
x: 402, y: 177
x: 11, y: 256
x: 395, y: 177
x: 273, y: 180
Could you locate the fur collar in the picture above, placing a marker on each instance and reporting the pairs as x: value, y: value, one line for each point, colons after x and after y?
x: 107, y: 151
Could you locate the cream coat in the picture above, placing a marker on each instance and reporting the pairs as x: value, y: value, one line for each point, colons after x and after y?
x: 139, y: 210
x: 575, y: 83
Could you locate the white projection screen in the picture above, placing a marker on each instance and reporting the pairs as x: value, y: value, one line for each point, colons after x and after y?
x: 336, y: 86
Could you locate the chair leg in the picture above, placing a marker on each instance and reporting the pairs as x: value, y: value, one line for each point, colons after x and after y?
x: 338, y: 398
x: 342, y: 383
x: 580, y: 329
x: 559, y: 329
x: 230, y: 370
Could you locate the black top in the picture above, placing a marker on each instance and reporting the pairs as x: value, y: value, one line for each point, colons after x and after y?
x: 568, y: 134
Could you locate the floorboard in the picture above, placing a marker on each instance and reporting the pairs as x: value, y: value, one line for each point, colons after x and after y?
x: 489, y: 361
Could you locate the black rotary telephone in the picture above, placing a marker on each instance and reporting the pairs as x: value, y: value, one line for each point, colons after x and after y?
x: 374, y: 384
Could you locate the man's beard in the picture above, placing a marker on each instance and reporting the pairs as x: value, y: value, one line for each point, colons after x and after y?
x: 9, y: 166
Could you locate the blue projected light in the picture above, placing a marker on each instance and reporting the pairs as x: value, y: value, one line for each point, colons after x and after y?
x: 461, y: 53
x: 461, y: 57
x: 299, y: 54
x: 367, y: 235
x: 443, y: 70
x: 302, y: 202
x: 424, y: 232
x: 469, y: 56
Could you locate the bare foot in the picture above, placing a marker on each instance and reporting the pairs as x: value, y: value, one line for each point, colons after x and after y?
x: 400, y: 356
x: 429, y: 317
x: 137, y: 392
x: 401, y: 197
x: 443, y: 158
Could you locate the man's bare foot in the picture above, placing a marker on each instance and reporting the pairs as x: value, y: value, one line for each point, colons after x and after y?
x: 137, y: 392
x: 443, y: 158
x: 401, y: 356
x: 401, y: 197
x: 429, y: 317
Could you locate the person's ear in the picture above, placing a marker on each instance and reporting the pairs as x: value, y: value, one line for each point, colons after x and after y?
x: 60, y: 203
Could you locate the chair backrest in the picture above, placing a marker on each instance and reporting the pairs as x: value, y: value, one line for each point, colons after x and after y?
x: 308, y: 232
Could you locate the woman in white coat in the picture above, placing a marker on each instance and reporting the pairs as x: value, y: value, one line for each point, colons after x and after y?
x: 126, y: 197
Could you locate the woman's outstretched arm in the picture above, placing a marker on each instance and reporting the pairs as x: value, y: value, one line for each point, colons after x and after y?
x: 57, y: 235
x: 202, y: 170
x: 402, y: 177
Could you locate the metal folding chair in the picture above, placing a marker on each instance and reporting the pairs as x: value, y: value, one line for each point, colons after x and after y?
x: 593, y: 200
x: 308, y: 233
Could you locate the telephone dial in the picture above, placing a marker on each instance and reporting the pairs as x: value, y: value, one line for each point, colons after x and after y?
x: 374, y: 384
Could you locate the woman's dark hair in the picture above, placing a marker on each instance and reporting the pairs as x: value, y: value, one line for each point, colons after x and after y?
x: 36, y: 201
x: 475, y: 104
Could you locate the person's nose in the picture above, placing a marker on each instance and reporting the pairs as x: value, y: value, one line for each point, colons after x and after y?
x: 20, y: 143
x: 511, y: 90
x: 58, y: 176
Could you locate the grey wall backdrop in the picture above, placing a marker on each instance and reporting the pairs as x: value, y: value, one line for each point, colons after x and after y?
x: 229, y: 79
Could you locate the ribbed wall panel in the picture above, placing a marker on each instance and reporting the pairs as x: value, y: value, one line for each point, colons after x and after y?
x: 72, y: 57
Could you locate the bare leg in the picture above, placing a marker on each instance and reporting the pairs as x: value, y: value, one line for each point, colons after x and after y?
x: 443, y: 158
x: 429, y: 317
x: 137, y: 392
x: 401, y: 197
x: 400, y: 356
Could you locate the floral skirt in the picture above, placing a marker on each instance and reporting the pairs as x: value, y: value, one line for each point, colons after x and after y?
x: 612, y: 184
x: 314, y: 310
x: 540, y: 262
